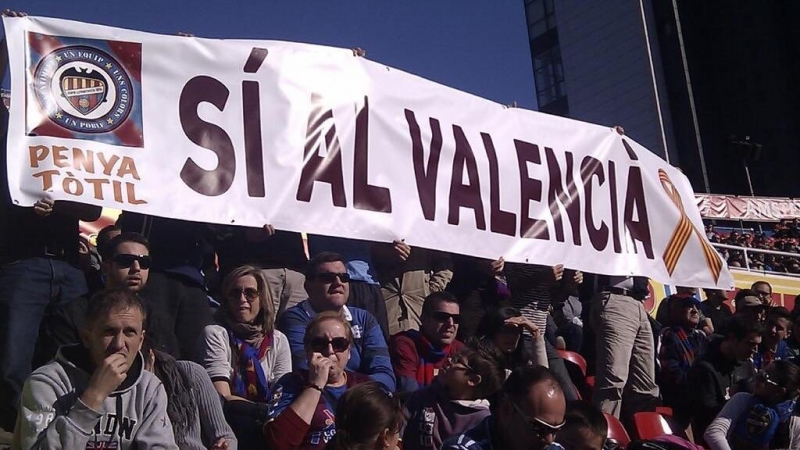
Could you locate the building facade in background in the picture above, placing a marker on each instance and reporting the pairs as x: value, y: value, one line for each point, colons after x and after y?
x: 708, y: 86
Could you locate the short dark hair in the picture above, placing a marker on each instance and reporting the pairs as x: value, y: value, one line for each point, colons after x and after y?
x: 486, y: 360
x: 739, y: 326
x: 107, y: 300
x: 787, y: 375
x: 760, y: 283
x: 583, y: 415
x: 779, y: 312
x: 744, y: 293
x: 111, y: 249
x: 434, y: 298
x: 321, y: 258
x: 103, y: 240
x: 520, y: 382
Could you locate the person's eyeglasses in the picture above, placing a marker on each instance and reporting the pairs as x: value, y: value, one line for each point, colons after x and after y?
x: 330, y: 277
x: 455, y: 363
x: 320, y: 344
x: 126, y: 260
x: 763, y: 294
x: 249, y: 293
x: 764, y: 377
x: 441, y: 316
x: 538, y: 426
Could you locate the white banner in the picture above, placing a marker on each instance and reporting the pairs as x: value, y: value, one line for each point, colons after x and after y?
x: 312, y: 138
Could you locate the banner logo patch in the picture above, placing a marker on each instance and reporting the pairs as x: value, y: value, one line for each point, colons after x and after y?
x: 85, y: 89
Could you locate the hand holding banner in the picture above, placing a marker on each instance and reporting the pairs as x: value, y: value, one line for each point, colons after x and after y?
x: 311, y: 138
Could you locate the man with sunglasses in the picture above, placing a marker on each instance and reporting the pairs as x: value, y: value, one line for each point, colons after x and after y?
x: 327, y: 283
x: 417, y: 356
x: 527, y: 415
x: 126, y: 265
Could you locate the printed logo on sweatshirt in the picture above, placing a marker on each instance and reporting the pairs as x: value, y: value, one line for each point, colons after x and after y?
x: 111, y: 425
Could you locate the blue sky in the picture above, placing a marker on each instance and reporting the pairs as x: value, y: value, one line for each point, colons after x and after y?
x: 477, y: 46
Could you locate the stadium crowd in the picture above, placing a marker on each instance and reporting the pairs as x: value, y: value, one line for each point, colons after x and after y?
x: 784, y: 237
x: 168, y: 334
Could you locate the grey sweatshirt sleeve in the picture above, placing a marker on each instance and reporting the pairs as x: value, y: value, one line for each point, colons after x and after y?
x: 155, y: 431
x: 212, y: 420
x: 40, y: 426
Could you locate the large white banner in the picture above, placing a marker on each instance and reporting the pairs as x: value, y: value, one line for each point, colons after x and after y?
x: 312, y: 138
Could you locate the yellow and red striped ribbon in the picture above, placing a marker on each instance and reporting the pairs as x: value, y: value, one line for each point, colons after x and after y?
x: 683, y: 231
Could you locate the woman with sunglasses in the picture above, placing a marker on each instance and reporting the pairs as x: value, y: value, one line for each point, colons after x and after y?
x: 457, y: 399
x: 244, y: 353
x: 302, y: 409
x: 368, y: 417
x: 504, y: 327
x: 765, y: 419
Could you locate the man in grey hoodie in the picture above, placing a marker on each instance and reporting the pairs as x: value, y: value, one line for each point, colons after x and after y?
x: 97, y: 395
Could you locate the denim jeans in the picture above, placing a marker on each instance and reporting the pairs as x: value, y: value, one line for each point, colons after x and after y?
x: 28, y: 287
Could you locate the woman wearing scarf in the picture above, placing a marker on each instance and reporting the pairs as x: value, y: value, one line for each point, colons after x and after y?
x: 244, y: 353
x: 765, y: 419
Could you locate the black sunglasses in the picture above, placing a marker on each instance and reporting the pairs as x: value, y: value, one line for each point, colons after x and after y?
x: 320, y: 344
x: 249, y: 293
x: 126, y: 260
x: 330, y: 277
x: 441, y: 316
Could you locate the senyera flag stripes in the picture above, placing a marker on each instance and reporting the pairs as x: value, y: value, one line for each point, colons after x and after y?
x: 314, y: 139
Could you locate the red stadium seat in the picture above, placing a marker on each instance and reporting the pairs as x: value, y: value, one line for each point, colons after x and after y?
x: 574, y: 358
x: 650, y: 425
x: 617, y: 432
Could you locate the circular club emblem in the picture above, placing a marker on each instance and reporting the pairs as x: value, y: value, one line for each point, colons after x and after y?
x: 83, y: 89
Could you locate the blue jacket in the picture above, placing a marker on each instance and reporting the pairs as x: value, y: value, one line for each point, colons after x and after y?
x: 780, y: 354
x: 369, y: 353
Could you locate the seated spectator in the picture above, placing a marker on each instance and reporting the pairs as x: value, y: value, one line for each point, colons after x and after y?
x: 764, y: 291
x: 193, y: 405
x: 764, y: 419
x: 98, y: 385
x: 681, y: 344
x: 748, y: 303
x: 126, y: 265
x: 525, y: 415
x: 244, y: 353
x: 457, y: 399
x: 301, y: 412
x: 504, y: 327
x: 773, y: 347
x: 585, y: 427
x: 681, y: 292
x: 368, y: 417
x: 793, y: 341
x: 365, y: 291
x: 327, y: 284
x: 417, y: 356
x: 717, y: 375
x: 714, y: 307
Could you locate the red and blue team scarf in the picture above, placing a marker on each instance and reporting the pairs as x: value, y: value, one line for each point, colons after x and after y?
x: 249, y: 380
x: 429, y: 357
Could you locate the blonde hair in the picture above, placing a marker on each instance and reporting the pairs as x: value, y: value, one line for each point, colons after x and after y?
x: 267, y: 316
